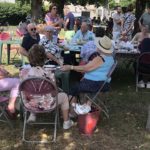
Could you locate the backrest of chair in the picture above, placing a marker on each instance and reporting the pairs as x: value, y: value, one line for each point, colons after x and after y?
x: 143, y: 64
x: 144, y: 58
x: 106, y: 81
x: 112, y: 69
x: 38, y: 85
x: 38, y: 94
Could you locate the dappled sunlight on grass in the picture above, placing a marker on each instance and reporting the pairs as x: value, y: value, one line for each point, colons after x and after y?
x: 67, y: 135
x: 147, y: 136
x: 125, y: 130
x: 70, y: 146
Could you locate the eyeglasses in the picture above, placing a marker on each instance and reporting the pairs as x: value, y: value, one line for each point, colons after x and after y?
x: 54, y: 7
x: 33, y: 29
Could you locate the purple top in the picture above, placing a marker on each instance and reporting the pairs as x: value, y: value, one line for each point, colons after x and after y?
x: 70, y: 25
x: 49, y: 18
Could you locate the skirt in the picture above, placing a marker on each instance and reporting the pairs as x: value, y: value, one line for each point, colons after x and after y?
x: 88, y: 86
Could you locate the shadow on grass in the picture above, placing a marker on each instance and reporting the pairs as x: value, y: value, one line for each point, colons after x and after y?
x: 125, y: 130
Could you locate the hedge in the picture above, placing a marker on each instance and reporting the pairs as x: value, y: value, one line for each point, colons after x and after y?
x: 13, y: 13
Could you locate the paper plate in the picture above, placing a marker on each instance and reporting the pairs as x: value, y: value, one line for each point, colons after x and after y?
x: 49, y: 66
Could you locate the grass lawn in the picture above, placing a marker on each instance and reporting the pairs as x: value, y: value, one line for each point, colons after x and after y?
x: 125, y: 130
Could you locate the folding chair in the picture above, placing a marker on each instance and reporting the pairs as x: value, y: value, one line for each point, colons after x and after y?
x: 3, y: 114
x: 93, y: 97
x: 142, y: 67
x: 37, y: 86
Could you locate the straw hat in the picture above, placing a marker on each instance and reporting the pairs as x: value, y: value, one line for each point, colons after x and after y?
x: 104, y: 44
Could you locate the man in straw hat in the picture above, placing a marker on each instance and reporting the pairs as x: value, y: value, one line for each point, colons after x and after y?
x: 95, y: 73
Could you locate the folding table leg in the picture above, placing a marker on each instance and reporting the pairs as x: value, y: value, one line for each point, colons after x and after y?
x: 1, y: 49
x: 8, y: 53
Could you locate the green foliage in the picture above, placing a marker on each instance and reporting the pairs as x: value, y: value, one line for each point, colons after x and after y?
x: 122, y: 3
x: 13, y: 13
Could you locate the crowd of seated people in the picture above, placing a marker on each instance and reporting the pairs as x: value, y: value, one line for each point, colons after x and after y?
x: 40, y: 44
x: 43, y: 35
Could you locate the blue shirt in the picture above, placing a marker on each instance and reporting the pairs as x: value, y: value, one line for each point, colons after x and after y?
x: 100, y: 74
x: 88, y: 36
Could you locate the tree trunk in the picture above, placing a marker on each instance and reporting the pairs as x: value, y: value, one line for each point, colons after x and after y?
x: 36, y: 9
x: 140, y: 7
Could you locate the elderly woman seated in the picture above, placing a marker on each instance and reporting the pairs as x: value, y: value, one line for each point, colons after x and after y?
x: 37, y: 59
x: 96, y: 69
x: 53, y: 52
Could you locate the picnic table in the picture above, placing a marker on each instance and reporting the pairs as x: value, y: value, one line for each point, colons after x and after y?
x: 126, y: 55
x: 127, y: 50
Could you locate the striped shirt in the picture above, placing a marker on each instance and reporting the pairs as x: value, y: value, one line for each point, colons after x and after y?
x: 128, y: 20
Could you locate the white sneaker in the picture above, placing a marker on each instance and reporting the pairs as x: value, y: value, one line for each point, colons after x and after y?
x: 141, y: 84
x: 68, y: 124
x: 148, y: 85
x: 32, y: 118
x: 82, y: 109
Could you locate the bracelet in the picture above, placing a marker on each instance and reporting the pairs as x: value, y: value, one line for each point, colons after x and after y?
x: 72, y: 67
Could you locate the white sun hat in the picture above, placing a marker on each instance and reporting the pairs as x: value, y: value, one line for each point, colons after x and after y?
x: 104, y: 44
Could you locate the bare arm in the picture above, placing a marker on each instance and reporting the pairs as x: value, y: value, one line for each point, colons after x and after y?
x: 118, y: 21
x: 140, y: 25
x: 4, y: 73
x: 52, y: 57
x: 66, y: 23
x: 135, y: 38
x: 56, y: 25
x: 95, y: 63
x: 122, y: 23
x: 23, y: 51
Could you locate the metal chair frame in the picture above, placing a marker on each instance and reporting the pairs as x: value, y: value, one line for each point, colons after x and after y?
x: 137, y: 67
x: 93, y: 97
x: 38, y: 90
x: 3, y: 115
